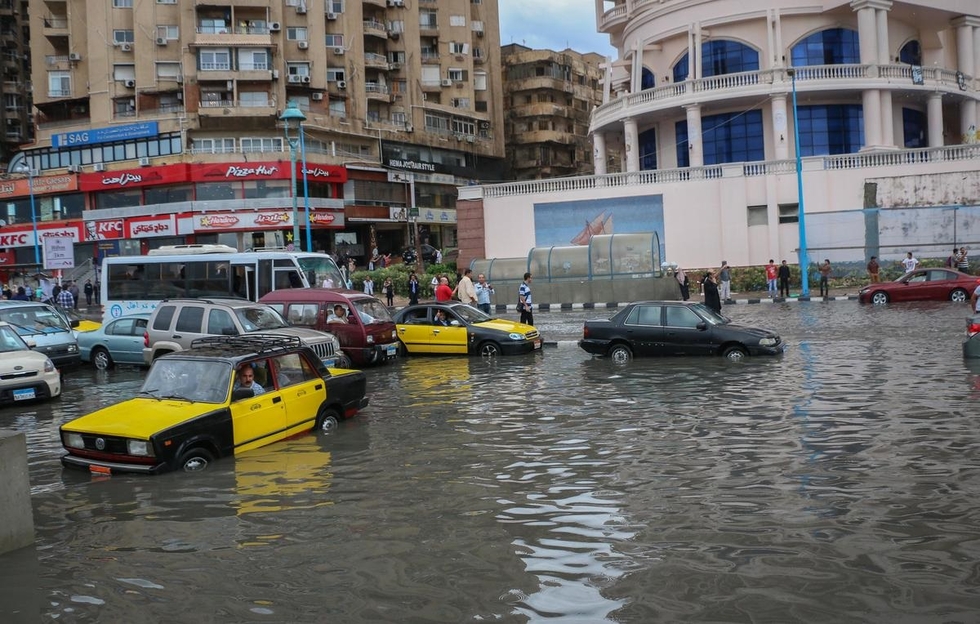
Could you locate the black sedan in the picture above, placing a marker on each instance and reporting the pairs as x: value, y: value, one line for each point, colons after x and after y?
x: 658, y: 328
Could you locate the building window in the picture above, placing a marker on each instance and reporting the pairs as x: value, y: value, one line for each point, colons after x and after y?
x: 436, y: 123
x: 647, y: 80
x: 122, y: 36
x: 166, y: 1
x: 789, y: 213
x: 252, y: 60
x: 719, y: 58
x: 457, y: 20
x: 335, y: 74
x: 428, y: 20
x: 261, y: 144
x: 213, y: 146
x: 479, y: 81
x: 914, y: 126
x: 830, y: 129
x: 335, y: 6
x: 836, y: 46
x: 123, y: 72
x: 460, y: 102
x: 296, y: 33
x: 171, y: 33
x: 726, y: 138
x: 298, y: 69
x: 254, y: 99
x: 122, y: 4
x: 648, y: 149
x: 338, y: 108
x: 758, y: 215
x: 168, y: 71
x: 335, y: 41
x: 458, y: 48
x: 59, y: 84
x: 911, y: 53
x: 457, y: 75
x: 217, y: 59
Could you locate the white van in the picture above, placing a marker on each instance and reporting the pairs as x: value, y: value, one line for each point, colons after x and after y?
x: 44, y: 328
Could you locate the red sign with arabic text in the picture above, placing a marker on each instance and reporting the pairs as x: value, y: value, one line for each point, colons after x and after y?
x: 144, y: 176
x: 142, y: 227
x: 322, y: 173
x: 42, y: 185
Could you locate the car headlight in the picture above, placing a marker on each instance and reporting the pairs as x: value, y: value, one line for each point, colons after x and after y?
x: 768, y: 342
x: 394, y: 334
x: 139, y: 447
x: 74, y: 440
x: 370, y: 339
x: 864, y: 290
x: 516, y: 336
x: 48, y: 366
x: 72, y: 348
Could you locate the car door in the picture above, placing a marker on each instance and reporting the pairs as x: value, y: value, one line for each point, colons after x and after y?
x: 302, y: 390
x: 940, y: 284
x: 415, y: 330
x: 681, y: 333
x: 124, y: 339
x: 643, y: 328
x: 452, y: 338
x: 915, y: 286
x: 261, y: 419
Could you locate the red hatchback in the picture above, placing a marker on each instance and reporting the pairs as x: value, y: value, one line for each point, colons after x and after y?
x: 923, y: 285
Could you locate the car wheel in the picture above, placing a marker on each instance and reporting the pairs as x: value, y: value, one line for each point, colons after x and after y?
x: 343, y: 362
x: 402, y: 349
x: 101, y: 359
x: 328, y: 421
x: 879, y: 298
x: 489, y: 349
x: 195, y: 460
x: 958, y: 295
x: 620, y: 354
x: 735, y: 353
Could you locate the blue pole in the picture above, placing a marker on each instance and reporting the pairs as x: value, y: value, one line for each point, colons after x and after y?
x: 292, y: 181
x: 306, y: 189
x: 37, y: 246
x: 804, y: 263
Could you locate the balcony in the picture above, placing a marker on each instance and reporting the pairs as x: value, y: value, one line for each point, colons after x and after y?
x: 377, y: 92
x: 242, y: 36
x: 375, y: 28
x: 59, y: 93
x: 431, y: 86
x: 833, y: 80
x: 430, y: 57
x: 56, y: 26
x: 379, y: 3
x: 376, y: 61
x: 614, y: 19
x: 237, y: 108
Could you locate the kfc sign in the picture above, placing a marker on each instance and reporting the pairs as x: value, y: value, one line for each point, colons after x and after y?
x: 104, y: 230
x: 22, y: 239
x: 143, y: 228
x: 25, y: 238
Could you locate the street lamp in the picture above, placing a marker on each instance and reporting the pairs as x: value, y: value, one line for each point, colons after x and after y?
x: 293, y: 119
x: 306, y: 190
x: 25, y: 169
x: 804, y: 263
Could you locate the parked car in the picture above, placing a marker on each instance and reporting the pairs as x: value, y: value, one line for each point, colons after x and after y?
x: 175, y: 323
x: 661, y: 328
x: 428, y: 254
x: 25, y: 374
x: 922, y: 285
x: 368, y: 337
x: 468, y: 331
x: 971, y: 347
x: 192, y: 410
x: 43, y: 327
x: 119, y: 341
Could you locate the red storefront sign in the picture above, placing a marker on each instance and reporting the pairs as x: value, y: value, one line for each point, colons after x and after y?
x: 42, y: 185
x: 111, y: 229
x: 322, y: 218
x: 267, y: 220
x: 323, y: 173
x: 23, y: 236
x: 144, y: 176
x: 143, y: 227
x: 240, y: 171
x: 7, y: 258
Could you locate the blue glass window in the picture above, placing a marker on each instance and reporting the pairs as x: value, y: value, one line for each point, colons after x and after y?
x: 911, y: 53
x: 830, y: 129
x: 914, y: 125
x: 837, y: 46
x: 719, y: 58
x: 727, y: 138
x: 648, y: 80
x: 648, y: 149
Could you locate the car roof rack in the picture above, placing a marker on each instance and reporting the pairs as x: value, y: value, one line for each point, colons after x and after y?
x: 260, y: 344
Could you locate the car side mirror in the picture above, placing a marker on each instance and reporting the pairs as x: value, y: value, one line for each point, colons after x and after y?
x: 30, y: 344
x: 240, y: 394
x: 454, y: 323
x: 75, y: 323
x: 702, y: 326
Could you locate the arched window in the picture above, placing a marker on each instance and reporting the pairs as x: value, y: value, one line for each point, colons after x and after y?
x: 836, y: 46
x: 719, y: 58
x: 911, y: 53
x: 648, y: 149
x: 647, y: 80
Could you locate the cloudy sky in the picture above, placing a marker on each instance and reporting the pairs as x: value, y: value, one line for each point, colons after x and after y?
x: 552, y: 24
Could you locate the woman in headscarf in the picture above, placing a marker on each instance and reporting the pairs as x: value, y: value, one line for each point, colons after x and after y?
x: 711, y: 296
x: 684, y: 284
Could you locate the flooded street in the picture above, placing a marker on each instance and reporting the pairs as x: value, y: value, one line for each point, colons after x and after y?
x: 838, y: 483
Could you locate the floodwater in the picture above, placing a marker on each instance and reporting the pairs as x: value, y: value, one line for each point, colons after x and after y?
x: 838, y: 483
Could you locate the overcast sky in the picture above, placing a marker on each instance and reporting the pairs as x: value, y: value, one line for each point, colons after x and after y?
x: 552, y: 24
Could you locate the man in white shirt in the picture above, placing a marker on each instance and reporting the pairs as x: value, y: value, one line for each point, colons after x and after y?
x: 465, y: 289
x: 910, y: 263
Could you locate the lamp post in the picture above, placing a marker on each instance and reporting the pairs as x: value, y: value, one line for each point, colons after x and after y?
x: 804, y: 263
x: 306, y: 189
x: 25, y: 169
x: 293, y: 119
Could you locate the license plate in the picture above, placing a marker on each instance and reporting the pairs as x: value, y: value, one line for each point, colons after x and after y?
x: 102, y: 470
x: 24, y: 394
x: 330, y: 362
x: 537, y: 344
x: 391, y: 350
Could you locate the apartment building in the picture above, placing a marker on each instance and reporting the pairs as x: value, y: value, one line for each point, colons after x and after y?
x: 549, y: 97
x: 165, y: 110
x: 15, y: 70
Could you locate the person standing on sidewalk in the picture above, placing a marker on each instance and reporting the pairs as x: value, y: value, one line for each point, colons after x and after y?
x: 413, y: 289
x: 784, y: 279
x: 711, y: 297
x: 465, y: 290
x: 910, y: 262
x: 524, y: 301
x: 772, y: 272
x: 874, y: 269
x: 825, y: 269
x: 483, y: 293
x: 962, y: 262
x: 725, y: 278
x: 89, y: 291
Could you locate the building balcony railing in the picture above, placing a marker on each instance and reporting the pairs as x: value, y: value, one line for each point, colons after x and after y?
x: 768, y: 82
x: 53, y: 60
x: 237, y: 108
x: 59, y: 93
x: 376, y: 28
x: 378, y: 61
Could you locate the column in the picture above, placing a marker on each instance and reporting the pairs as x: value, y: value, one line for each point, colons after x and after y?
x: 694, y: 146
x: 632, y: 138
x: 887, y: 120
x: 599, y: 153
x: 881, y: 34
x: 871, y: 102
x: 781, y: 136
x: 966, y: 63
x: 774, y: 54
x: 696, y: 59
x: 691, y: 58
x: 870, y: 98
x: 885, y: 58
x: 637, y: 81
x: 934, y: 115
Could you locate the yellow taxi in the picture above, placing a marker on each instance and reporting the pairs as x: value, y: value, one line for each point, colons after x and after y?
x: 449, y: 328
x: 223, y: 396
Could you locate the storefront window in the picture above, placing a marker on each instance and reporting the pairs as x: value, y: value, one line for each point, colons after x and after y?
x: 259, y: 189
x: 169, y: 194
x: 119, y: 199
x: 213, y: 191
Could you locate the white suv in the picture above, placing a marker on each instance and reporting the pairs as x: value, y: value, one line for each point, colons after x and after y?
x: 176, y: 323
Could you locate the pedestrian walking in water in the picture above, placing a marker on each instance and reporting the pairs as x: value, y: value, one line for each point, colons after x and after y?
x: 825, y: 277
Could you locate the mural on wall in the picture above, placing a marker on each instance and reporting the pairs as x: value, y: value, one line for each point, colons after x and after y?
x: 560, y: 224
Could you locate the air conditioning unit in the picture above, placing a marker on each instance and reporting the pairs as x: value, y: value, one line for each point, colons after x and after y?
x: 294, y: 79
x: 74, y: 56
x: 302, y: 45
x: 446, y: 82
x: 394, y: 34
x: 332, y: 16
x: 306, y: 80
x: 126, y: 47
x: 484, y: 125
x: 479, y: 33
x: 341, y: 84
x: 470, y: 139
x: 409, y: 128
x: 275, y: 26
x: 395, y: 66
x: 144, y: 162
x: 301, y: 9
x: 98, y: 167
x: 130, y: 84
x: 399, y: 3
x: 316, y: 97
x: 339, y: 50
x: 74, y: 168
x: 161, y: 41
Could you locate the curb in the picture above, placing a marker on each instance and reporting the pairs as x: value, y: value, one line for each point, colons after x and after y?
x: 545, y: 307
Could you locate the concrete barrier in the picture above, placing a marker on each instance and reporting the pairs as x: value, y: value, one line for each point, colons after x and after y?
x: 16, y: 515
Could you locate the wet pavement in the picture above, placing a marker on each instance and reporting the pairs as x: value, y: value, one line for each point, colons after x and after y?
x: 836, y: 483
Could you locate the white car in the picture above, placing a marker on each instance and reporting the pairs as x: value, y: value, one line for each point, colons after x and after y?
x: 25, y: 375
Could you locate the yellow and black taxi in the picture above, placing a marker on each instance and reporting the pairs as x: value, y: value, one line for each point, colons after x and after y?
x: 223, y: 396
x: 451, y: 328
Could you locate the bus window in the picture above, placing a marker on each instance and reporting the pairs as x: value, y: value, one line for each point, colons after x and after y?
x: 238, y: 282
x: 264, y: 279
x: 207, y: 279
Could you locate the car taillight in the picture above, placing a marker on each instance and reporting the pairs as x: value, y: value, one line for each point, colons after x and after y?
x: 146, y: 339
x: 585, y: 332
x: 973, y: 329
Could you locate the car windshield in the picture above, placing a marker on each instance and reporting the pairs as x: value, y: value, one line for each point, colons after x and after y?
x: 470, y: 314
x: 188, y: 380
x: 321, y: 270
x: 10, y: 341
x: 372, y: 311
x: 710, y: 315
x: 30, y: 320
x: 260, y: 319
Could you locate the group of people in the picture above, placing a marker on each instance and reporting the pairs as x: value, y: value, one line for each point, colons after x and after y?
x: 475, y: 294
x: 66, y: 295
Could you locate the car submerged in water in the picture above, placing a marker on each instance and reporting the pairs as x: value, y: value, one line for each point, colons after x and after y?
x: 666, y: 328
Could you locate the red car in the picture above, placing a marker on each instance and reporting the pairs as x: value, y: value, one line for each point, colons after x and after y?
x: 923, y: 285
